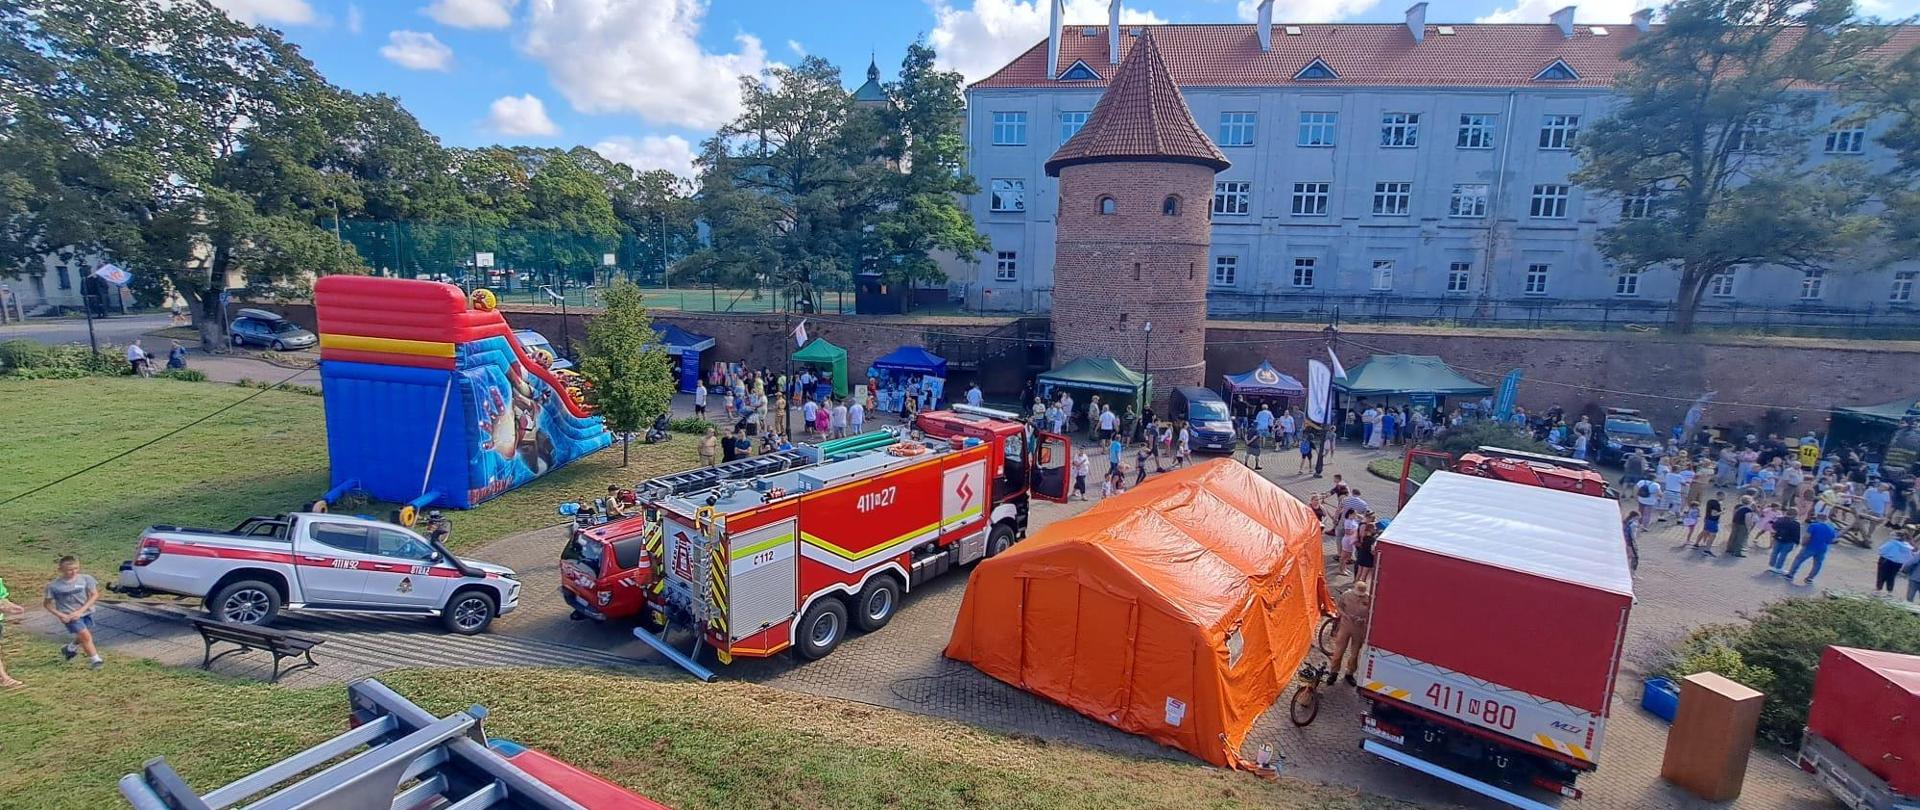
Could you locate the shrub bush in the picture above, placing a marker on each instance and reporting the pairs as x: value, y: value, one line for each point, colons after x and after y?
x: 1778, y: 651
x: 185, y: 374
x: 18, y: 354
x: 691, y: 424
x: 34, y: 361
x: 1463, y: 439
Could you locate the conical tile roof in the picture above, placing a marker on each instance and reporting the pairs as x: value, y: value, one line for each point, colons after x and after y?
x: 1142, y: 116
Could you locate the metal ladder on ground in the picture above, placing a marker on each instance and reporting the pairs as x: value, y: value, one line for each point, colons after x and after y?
x: 411, y: 759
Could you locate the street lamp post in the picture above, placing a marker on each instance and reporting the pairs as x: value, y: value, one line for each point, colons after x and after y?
x: 1146, y: 365
x: 566, y: 341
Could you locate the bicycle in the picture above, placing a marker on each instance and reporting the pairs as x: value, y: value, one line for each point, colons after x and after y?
x: 1305, y: 705
x: 1323, y: 638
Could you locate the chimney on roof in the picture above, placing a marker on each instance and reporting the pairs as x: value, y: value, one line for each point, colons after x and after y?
x: 1643, y: 19
x: 1266, y: 25
x: 1053, y: 39
x: 1417, y: 21
x: 1564, y: 19
x: 1113, y: 32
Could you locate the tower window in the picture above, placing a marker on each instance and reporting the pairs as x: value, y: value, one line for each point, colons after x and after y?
x: 1170, y: 206
x: 1136, y: 271
x: 1107, y: 205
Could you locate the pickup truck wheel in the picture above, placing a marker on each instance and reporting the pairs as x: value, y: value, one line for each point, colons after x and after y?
x: 877, y: 603
x: 248, y: 601
x: 822, y: 629
x: 999, y: 540
x: 469, y: 612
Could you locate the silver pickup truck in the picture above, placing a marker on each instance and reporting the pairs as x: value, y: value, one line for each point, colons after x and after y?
x: 320, y: 562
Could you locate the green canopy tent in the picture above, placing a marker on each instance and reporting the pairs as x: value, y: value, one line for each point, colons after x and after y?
x: 1115, y: 383
x: 819, y: 353
x: 1407, y: 375
x: 1870, y: 424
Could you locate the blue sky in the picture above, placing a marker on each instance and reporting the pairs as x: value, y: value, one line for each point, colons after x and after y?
x: 644, y: 80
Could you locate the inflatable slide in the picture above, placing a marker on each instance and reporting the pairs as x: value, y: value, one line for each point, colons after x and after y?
x: 428, y: 393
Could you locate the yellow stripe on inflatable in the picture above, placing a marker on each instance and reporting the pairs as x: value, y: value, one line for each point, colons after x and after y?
x: 419, y: 348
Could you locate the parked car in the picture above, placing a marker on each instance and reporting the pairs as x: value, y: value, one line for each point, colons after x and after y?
x: 320, y: 562
x: 256, y: 327
x: 536, y: 344
x: 1623, y: 431
x: 1207, y: 418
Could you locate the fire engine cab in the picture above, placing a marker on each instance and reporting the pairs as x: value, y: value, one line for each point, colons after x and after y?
x: 799, y: 557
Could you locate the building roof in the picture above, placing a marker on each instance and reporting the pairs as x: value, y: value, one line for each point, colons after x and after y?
x: 1377, y: 54
x: 871, y: 92
x: 1140, y: 116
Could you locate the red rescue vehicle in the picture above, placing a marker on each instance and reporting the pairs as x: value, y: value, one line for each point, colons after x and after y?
x: 751, y: 565
x: 1498, y: 615
x: 1499, y: 463
x: 1861, y: 737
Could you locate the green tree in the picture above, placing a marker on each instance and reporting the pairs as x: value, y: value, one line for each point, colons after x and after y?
x: 188, y: 147
x: 1894, y: 90
x: 631, y: 376
x: 923, y: 212
x: 1711, y: 124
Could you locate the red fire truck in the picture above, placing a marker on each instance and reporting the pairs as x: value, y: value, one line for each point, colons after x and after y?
x: 752, y: 566
x: 1501, y: 464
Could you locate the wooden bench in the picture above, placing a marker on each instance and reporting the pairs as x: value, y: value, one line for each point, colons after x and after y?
x: 279, y: 643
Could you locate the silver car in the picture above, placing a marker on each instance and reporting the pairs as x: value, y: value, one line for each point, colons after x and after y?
x: 255, y: 327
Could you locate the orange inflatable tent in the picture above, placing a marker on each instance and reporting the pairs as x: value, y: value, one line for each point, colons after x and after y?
x: 1180, y: 610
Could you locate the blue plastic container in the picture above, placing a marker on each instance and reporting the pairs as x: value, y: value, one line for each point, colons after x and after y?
x: 1662, y: 697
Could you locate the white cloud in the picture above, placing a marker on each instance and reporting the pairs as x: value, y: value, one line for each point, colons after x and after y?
x: 1599, y: 12
x: 291, y: 12
x: 797, y: 48
x: 670, y: 152
x: 982, y: 39
x: 1310, y: 11
x: 520, y: 115
x: 417, y: 51
x: 472, y: 13
x: 355, y: 19
x: 639, y: 56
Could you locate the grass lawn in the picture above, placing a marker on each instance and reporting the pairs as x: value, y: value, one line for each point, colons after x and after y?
x: 268, y: 455
x: 73, y: 733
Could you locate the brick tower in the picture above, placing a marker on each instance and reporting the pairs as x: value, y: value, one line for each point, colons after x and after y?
x: 1133, y: 232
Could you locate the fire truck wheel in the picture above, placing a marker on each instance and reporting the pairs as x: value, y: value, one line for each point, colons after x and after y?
x: 821, y: 629
x: 877, y: 603
x: 999, y: 540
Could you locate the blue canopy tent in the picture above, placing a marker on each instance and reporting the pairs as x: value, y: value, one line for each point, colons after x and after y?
x: 686, y: 347
x: 1264, y: 381
x: 912, y: 360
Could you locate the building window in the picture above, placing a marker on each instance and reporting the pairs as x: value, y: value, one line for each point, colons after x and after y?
x: 1469, y: 200
x: 1006, y: 266
x: 1902, y: 287
x: 1476, y: 132
x: 1231, y: 197
x: 1392, y: 199
x: 1639, y: 206
x: 1170, y: 206
x: 1310, y: 199
x: 1536, y: 283
x: 1303, y: 271
x: 1008, y: 195
x: 1627, y: 284
x: 1558, y: 131
x: 1846, y: 139
x: 1009, y: 129
x: 66, y: 281
x: 1225, y: 270
x: 1317, y: 128
x: 1459, y: 276
x: 1549, y: 201
x: 1721, y: 285
x: 1400, y: 130
x: 1070, y: 123
x: 1750, y: 135
x: 1382, y: 275
x: 1813, y: 285
x: 1108, y: 206
x: 1236, y: 129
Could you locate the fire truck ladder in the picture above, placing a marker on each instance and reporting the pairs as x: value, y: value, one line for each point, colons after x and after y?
x: 410, y: 759
x: 681, y: 483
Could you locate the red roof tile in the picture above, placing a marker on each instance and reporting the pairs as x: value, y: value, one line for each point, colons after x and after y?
x: 1141, y: 115
x: 1376, y: 54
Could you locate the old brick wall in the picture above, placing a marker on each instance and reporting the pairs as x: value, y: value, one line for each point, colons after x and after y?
x: 1115, y: 272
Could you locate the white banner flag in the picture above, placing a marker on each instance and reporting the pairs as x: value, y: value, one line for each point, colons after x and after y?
x: 1339, y: 371
x: 1319, y: 383
x: 112, y: 274
x: 800, y: 334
